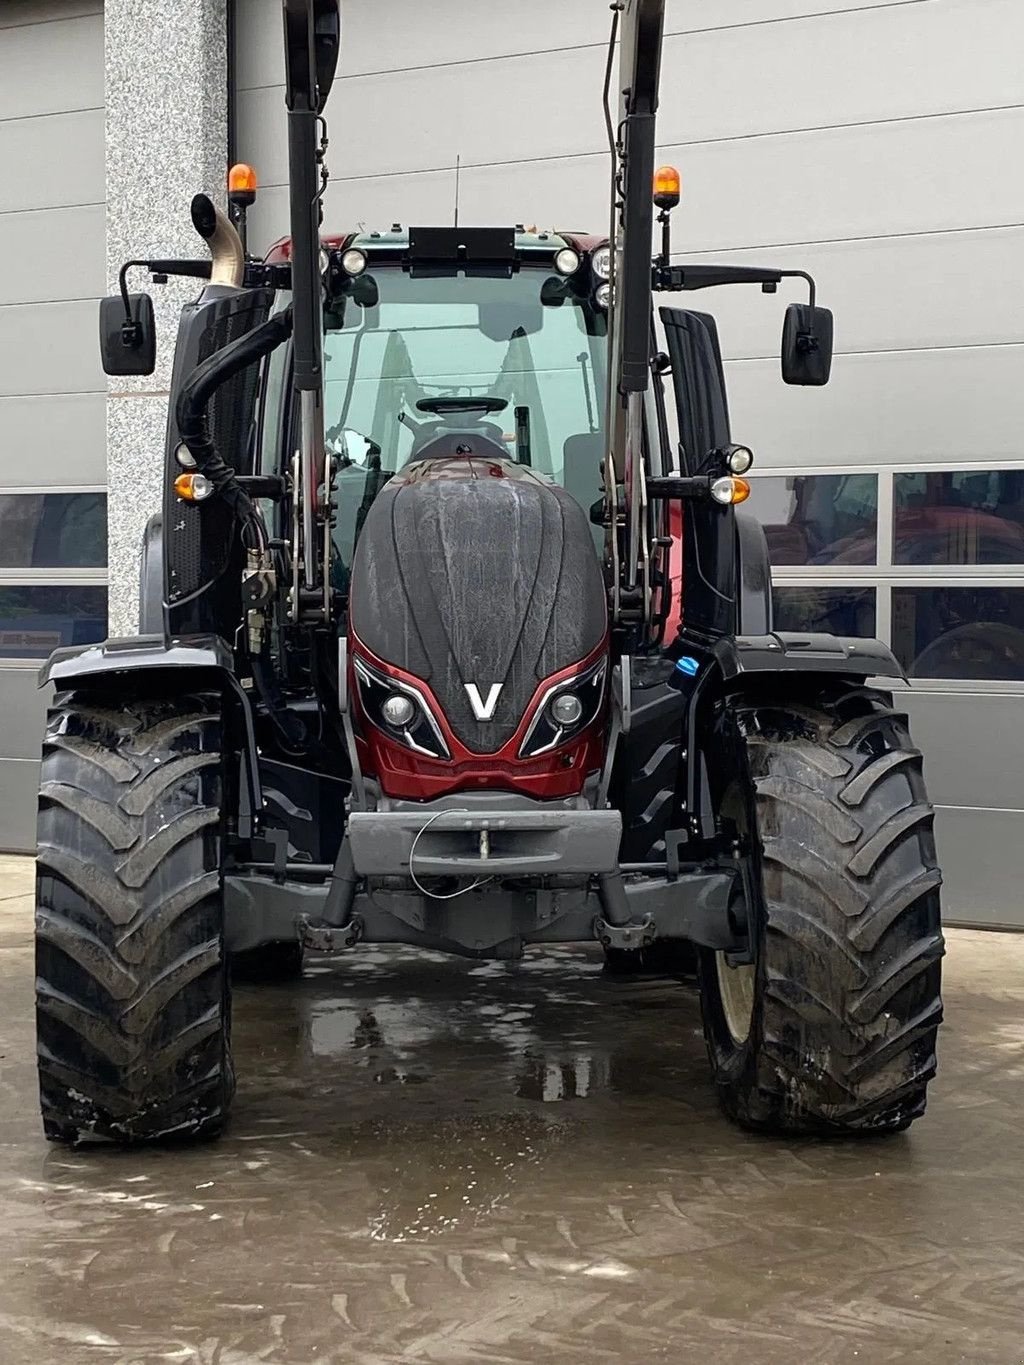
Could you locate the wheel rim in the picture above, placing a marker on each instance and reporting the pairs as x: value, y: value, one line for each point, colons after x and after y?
x: 736, y: 992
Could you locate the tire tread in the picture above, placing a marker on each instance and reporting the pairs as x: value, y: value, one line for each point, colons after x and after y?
x: 133, y: 1014
x: 848, y: 1005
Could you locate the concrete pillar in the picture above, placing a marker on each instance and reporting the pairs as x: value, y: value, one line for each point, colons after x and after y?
x: 166, y: 138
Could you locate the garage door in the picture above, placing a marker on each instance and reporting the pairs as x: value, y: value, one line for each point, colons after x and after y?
x: 52, y: 391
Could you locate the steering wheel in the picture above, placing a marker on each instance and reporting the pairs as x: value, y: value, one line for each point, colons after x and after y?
x: 453, y: 403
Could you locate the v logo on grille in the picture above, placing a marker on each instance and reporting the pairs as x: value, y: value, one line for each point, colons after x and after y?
x: 483, y: 708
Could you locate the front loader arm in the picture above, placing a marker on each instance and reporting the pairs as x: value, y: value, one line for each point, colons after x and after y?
x: 312, y: 30
x: 640, y: 25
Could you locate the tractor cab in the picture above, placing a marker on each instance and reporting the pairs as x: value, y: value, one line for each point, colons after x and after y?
x: 446, y: 338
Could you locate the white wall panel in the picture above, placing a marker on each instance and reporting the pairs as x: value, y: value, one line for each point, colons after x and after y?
x: 863, y: 64
x: 50, y: 348
x: 28, y: 13
x: 51, y: 161
x: 898, y: 62
x: 48, y: 252
x: 979, y: 855
x: 879, y: 180
x: 926, y: 175
x: 888, y: 294
x: 472, y: 31
x: 53, y: 439
x: 73, y: 47
x: 887, y: 408
x: 973, y: 746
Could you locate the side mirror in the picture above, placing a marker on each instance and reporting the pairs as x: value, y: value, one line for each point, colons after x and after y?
x: 127, y: 340
x: 806, y: 344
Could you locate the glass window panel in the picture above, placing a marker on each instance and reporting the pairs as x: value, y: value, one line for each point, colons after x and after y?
x: 53, y: 530
x: 818, y: 518
x: 833, y: 611
x: 35, y: 620
x: 966, y: 516
x: 973, y: 633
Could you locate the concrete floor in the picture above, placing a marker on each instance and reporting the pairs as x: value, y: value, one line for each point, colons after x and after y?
x: 432, y: 1160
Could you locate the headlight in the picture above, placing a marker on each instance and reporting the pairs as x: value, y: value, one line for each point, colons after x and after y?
x: 601, y: 262
x: 602, y: 294
x: 564, y: 710
x: 353, y: 261
x: 400, y: 711
x: 567, y: 261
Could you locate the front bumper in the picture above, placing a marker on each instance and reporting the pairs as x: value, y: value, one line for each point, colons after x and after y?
x: 533, y: 842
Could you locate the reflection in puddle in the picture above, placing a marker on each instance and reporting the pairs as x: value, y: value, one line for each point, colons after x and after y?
x: 552, y: 1079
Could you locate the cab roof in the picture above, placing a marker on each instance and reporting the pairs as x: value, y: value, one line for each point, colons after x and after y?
x: 396, y: 239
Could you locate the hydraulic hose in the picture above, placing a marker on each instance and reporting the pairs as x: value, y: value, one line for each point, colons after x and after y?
x: 199, y: 388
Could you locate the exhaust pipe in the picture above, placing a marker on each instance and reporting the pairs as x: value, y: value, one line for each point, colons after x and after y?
x: 225, y: 245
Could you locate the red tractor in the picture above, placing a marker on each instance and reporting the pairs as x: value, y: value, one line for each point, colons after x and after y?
x: 455, y: 634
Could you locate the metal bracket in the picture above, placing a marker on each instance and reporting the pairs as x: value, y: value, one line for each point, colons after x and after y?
x: 674, y: 840
x: 628, y: 936
x: 328, y: 938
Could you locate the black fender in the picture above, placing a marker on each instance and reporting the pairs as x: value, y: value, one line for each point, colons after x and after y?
x: 740, y: 656
x: 739, y: 665
x: 754, y: 577
x: 181, y: 662
x: 151, y: 577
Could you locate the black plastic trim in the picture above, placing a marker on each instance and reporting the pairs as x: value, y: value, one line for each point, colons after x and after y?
x: 754, y: 577
x: 787, y: 651
x: 151, y: 577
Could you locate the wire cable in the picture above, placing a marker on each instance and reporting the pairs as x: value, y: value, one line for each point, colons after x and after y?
x: 433, y: 895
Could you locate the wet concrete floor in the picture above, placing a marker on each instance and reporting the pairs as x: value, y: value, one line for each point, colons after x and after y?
x: 435, y: 1160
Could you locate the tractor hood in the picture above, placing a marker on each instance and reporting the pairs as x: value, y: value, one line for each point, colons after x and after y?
x: 480, y: 578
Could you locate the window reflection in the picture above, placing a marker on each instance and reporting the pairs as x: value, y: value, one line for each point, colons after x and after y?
x: 971, y: 516
x: 960, y: 633
x: 818, y: 518
x: 53, y: 530
x: 34, y: 621
x: 832, y: 611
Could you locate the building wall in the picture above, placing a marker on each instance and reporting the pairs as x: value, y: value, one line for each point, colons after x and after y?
x: 52, y: 443
x: 878, y: 145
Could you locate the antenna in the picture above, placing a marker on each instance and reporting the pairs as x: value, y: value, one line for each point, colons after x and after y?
x: 458, y: 170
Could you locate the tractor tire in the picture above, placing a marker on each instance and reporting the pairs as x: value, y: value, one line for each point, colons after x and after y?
x: 132, y: 995
x: 270, y: 962
x: 833, y: 1028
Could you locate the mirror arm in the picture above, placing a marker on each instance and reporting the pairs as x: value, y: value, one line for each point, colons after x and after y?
x: 678, y: 277
x: 130, y: 327
x: 801, y: 275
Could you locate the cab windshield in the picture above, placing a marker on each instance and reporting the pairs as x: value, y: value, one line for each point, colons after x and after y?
x: 530, y: 351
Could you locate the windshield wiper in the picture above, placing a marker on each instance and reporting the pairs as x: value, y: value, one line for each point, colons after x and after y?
x: 523, y: 435
x: 582, y: 358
